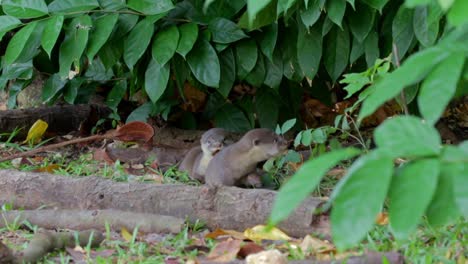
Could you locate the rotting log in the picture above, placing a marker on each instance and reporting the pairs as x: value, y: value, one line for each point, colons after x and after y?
x: 227, y: 207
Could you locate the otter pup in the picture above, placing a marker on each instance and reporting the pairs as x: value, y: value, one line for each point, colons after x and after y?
x: 196, y: 160
x: 234, y: 163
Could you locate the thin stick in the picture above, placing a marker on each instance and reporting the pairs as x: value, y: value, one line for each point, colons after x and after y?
x: 402, y: 93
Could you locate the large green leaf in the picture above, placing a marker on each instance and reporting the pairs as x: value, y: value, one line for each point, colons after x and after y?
x: 263, y: 18
x: 225, y: 31
x: 309, y: 50
x: 413, y: 3
x: 72, y: 6
x: 204, y: 63
x: 336, y: 10
x: 361, y: 21
x: 149, y: 7
x: 445, y: 4
x: 112, y: 4
x: 439, y: 87
x: 188, y: 36
x: 410, y: 72
x: 359, y: 197
x: 103, y: 27
x: 52, y: 86
x: 376, y: 4
x: 137, y: 42
x: 304, y: 181
x: 31, y: 48
x: 17, y: 43
x: 268, y: 38
x: 8, y: 23
x: 274, y: 70
x: 246, y: 57
x: 443, y: 208
x: 311, y: 14
x: 457, y: 14
x: 407, y: 136
x: 228, y: 72
x: 454, y: 159
x: 357, y: 50
x: 25, y: 8
x: 156, y: 78
x: 411, y: 192
x: 51, y: 33
x: 231, y: 118
x: 74, y: 44
x: 426, y: 23
x: 165, y: 44
x: 257, y: 75
x: 283, y: 6
x: 254, y: 7
x: 337, y: 51
x: 371, y: 47
x: 402, y: 30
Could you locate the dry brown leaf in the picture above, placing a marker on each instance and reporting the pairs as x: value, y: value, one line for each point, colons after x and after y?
x: 225, y: 251
x: 249, y: 248
x: 194, y: 98
x: 272, y: 256
x: 261, y: 232
x: 134, y: 131
x: 51, y: 168
x: 314, y: 246
x: 382, y: 219
x: 221, y: 232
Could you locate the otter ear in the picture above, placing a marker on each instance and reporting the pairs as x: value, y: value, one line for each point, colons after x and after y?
x: 255, y: 142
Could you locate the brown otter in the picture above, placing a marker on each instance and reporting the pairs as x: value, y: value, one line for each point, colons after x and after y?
x: 235, y: 164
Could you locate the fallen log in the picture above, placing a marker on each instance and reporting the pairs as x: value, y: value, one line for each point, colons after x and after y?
x: 227, y: 207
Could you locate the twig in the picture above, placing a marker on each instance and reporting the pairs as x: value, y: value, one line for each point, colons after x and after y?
x: 402, y: 93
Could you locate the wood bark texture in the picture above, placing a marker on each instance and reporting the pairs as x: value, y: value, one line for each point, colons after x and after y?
x: 226, y: 207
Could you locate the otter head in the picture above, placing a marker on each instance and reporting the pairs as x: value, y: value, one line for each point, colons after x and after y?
x: 213, y: 140
x: 265, y: 143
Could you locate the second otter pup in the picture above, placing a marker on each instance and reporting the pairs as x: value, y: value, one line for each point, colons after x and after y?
x: 197, y: 159
x: 234, y: 163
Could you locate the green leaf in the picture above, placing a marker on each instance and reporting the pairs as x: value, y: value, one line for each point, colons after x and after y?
x: 336, y: 52
x: 455, y: 161
x: 51, y: 33
x: 410, y: 72
x: 274, y: 71
x: 267, y: 41
x: 355, y: 81
x: 103, y: 27
x: 254, y: 7
x: 376, y: 4
x: 246, y: 57
x: 141, y: 113
x: 156, y: 78
x: 72, y: 6
x: 408, y: 201
x: 357, y: 50
x: 257, y: 76
x: 361, y: 21
x: 265, y: 17
x: 407, y: 136
x: 439, y: 87
x: 225, y: 31
x: 188, y: 36
x: 402, y: 30
x: 228, y: 72
x: 17, y: 43
x: 457, y: 13
x: 354, y: 210
x: 327, y: 26
x: 445, y: 4
x: 414, y: 3
x: 311, y: 14
x: 137, y: 42
x: 336, y: 10
x: 74, y: 44
x: 52, y: 86
x: 304, y: 182
x: 426, y: 24
x: 25, y: 8
x: 266, y: 104
x: 309, y: 51
x: 112, y: 4
x: 204, y: 63
x: 283, y: 6
x: 288, y: 125
x: 165, y: 44
x: 31, y: 48
x: 149, y: 7
x: 71, y: 90
x: 8, y: 23
x: 371, y: 47
x: 443, y: 208
x: 231, y: 118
